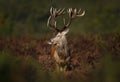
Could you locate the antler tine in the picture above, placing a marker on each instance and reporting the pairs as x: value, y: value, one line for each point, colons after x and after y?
x: 58, y: 10
x: 48, y: 22
x: 79, y: 10
x: 78, y: 13
x: 72, y: 13
x: 69, y: 12
x: 66, y: 25
x: 53, y: 12
x: 61, y: 11
x: 51, y: 23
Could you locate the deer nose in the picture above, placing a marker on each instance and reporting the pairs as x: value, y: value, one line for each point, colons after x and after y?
x: 50, y: 42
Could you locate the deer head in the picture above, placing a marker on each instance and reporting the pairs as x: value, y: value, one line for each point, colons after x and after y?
x: 59, y: 41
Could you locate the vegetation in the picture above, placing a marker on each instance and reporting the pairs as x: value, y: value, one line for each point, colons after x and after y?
x: 30, y: 16
x: 94, y: 42
x: 95, y: 58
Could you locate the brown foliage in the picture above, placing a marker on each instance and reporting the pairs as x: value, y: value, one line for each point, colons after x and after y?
x: 84, y: 51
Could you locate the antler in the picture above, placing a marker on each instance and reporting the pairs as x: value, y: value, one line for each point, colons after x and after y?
x: 52, y: 19
x: 72, y: 13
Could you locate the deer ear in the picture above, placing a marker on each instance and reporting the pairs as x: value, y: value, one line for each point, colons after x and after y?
x: 65, y: 31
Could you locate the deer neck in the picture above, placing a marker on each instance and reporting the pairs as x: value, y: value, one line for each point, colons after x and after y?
x: 57, y: 57
x: 54, y: 53
x: 63, y: 46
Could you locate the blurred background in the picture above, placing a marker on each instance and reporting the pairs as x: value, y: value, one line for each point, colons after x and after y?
x: 23, y: 59
x: 30, y: 16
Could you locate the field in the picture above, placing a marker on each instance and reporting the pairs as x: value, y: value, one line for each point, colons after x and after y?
x: 93, y: 41
x: 28, y: 59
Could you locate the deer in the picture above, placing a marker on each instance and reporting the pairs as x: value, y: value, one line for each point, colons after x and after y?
x: 59, y: 45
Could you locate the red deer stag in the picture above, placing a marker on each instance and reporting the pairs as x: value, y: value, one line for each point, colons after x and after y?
x: 59, y: 48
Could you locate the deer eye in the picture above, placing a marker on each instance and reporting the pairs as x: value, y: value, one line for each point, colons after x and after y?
x: 55, y: 44
x: 58, y: 36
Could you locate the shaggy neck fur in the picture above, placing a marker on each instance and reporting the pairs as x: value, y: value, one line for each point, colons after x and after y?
x: 61, y: 50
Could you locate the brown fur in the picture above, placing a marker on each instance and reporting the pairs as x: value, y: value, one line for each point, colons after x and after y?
x: 53, y: 47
